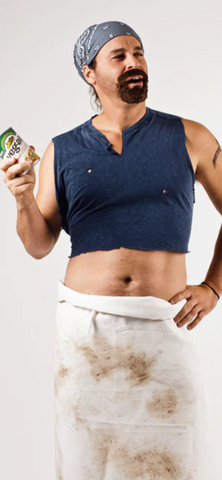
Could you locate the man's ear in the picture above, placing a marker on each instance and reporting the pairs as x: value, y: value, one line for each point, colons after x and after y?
x: 89, y: 75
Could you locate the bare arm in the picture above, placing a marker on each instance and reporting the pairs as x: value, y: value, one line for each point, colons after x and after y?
x: 35, y: 233
x: 205, y: 150
x: 214, y: 273
x: 38, y: 219
x: 209, y: 174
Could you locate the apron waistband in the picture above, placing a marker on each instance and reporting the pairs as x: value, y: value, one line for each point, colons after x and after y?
x: 148, y: 307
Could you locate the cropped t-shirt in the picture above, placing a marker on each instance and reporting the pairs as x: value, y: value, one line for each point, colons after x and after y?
x: 141, y: 199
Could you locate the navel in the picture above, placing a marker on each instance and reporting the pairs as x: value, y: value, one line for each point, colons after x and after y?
x: 128, y: 279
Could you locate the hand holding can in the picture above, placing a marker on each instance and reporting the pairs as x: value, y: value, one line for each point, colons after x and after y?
x: 13, y: 146
x: 16, y: 164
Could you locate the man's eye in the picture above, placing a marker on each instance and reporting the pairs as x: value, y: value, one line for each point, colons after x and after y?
x: 121, y: 56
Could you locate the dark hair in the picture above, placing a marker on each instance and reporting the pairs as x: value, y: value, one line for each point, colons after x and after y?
x: 92, y: 90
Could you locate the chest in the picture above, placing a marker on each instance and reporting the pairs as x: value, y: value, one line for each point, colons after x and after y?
x: 117, y: 144
x: 143, y: 172
x: 115, y: 139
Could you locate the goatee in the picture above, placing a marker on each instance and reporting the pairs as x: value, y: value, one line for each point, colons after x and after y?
x: 133, y: 94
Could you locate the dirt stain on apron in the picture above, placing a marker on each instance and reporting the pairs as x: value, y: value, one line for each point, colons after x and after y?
x: 105, y: 358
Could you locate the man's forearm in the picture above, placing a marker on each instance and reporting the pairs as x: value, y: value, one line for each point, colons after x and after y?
x: 34, y: 231
x: 214, y: 273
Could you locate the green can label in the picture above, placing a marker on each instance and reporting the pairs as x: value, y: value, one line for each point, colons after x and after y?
x: 12, y: 145
x: 6, y: 141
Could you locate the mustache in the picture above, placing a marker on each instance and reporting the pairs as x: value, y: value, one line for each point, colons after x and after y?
x: 132, y: 73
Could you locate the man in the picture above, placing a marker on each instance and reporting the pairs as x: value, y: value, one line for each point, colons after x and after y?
x: 130, y: 399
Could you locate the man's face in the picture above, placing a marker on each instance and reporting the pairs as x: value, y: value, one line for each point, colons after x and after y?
x: 115, y: 68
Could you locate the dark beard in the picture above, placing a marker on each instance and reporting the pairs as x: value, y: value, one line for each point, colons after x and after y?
x: 136, y: 94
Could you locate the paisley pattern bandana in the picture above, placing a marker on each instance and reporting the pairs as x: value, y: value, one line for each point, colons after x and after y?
x: 94, y: 38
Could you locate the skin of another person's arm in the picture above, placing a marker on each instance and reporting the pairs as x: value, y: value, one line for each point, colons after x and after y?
x: 205, y: 149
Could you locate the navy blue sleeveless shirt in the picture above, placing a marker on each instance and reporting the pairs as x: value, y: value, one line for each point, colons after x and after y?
x: 142, y: 198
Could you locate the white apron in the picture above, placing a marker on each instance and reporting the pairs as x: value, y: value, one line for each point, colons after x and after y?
x: 130, y: 396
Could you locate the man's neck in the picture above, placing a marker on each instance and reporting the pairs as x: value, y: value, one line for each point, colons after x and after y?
x: 118, y: 119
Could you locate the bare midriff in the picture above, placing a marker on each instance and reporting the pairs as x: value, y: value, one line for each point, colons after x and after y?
x: 124, y: 271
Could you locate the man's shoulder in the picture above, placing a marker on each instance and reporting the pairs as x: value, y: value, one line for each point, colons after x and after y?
x: 193, y: 129
x: 164, y: 115
x: 197, y: 131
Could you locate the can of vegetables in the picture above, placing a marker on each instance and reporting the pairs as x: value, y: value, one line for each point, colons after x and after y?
x: 12, y: 145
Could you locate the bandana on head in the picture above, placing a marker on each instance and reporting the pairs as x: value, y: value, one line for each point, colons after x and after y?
x: 94, y: 38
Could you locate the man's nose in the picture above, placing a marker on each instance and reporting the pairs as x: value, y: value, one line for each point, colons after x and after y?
x: 132, y: 61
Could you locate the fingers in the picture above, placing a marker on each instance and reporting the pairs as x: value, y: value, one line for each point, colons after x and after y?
x: 196, y: 320
x: 181, y: 295
x: 187, y: 314
x: 6, y: 163
x: 199, y: 304
x: 14, y: 171
x: 21, y: 186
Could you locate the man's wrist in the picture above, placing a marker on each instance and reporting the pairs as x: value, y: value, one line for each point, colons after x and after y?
x: 206, y: 282
x: 25, y: 204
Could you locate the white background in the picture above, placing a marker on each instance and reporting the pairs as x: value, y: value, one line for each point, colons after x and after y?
x: 42, y: 95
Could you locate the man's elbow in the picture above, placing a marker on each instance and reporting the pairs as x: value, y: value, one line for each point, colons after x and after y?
x: 38, y: 255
